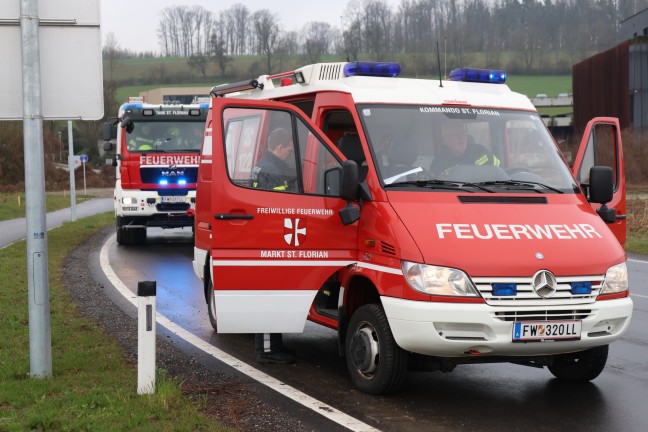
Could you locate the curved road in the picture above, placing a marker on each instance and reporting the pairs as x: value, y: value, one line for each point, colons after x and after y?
x: 492, y: 397
x: 14, y: 230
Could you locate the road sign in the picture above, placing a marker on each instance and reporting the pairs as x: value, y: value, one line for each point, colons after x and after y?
x: 69, y: 47
x: 84, y: 158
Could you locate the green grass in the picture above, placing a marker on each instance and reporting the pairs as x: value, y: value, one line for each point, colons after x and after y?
x: 12, y: 205
x: 93, y: 387
x: 637, y: 242
x: 532, y: 85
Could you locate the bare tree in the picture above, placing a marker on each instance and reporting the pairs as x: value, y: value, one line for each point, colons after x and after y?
x: 219, y: 53
x: 319, y: 36
x: 184, y: 31
x: 111, y: 53
x: 236, y: 20
x: 267, y: 32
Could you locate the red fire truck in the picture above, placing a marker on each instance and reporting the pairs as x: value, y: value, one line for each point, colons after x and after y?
x: 157, y: 156
x: 382, y: 229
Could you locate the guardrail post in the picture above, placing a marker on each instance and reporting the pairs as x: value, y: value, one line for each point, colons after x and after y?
x: 146, y: 292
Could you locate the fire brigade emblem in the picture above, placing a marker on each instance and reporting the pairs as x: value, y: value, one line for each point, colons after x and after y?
x: 294, y: 231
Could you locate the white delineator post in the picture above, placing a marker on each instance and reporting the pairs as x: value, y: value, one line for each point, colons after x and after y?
x: 146, y: 292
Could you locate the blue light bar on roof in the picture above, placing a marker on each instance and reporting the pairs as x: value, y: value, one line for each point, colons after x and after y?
x: 375, y: 69
x: 478, y: 75
x: 132, y: 106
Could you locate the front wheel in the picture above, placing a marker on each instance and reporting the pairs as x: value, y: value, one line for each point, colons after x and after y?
x: 211, y: 306
x: 375, y: 362
x: 581, y: 366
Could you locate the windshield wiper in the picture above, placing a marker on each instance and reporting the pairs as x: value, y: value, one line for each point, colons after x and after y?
x: 439, y: 184
x: 520, y: 185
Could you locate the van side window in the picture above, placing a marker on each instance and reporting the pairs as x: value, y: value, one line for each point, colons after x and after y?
x: 320, y: 167
x: 276, y: 151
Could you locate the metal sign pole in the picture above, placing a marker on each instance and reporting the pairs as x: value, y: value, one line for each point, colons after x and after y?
x: 40, y: 340
x: 85, y: 191
x: 71, y: 167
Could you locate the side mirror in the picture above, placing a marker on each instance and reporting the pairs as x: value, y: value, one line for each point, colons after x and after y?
x: 349, y: 182
x: 127, y: 124
x: 601, y: 190
x: 601, y: 184
x: 349, y: 192
x: 109, y: 131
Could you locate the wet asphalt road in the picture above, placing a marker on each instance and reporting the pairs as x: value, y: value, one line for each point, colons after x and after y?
x: 496, y: 397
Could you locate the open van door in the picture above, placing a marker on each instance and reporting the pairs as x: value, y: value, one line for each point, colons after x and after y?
x: 601, y: 146
x: 274, y: 245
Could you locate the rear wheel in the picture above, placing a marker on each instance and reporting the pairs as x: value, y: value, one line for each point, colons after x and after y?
x: 375, y: 362
x: 211, y: 306
x: 581, y: 366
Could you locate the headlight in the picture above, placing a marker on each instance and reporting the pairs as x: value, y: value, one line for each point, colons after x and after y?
x: 129, y: 200
x: 435, y: 280
x: 616, y: 279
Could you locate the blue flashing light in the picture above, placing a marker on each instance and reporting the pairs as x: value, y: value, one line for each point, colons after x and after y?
x: 581, y: 288
x: 375, y: 69
x: 133, y: 106
x: 504, y: 289
x: 478, y: 75
x: 163, y: 182
x: 182, y: 181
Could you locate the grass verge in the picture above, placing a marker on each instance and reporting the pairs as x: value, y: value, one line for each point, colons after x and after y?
x: 93, y: 387
x: 12, y: 205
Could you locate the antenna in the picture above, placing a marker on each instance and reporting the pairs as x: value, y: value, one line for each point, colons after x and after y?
x: 445, y: 56
x: 439, y: 63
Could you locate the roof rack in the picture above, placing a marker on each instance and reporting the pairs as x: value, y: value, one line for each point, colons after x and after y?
x: 223, y: 89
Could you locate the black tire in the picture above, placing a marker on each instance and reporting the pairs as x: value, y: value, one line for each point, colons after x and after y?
x: 119, y: 222
x: 376, y: 363
x: 210, y: 305
x: 581, y: 366
x: 138, y: 235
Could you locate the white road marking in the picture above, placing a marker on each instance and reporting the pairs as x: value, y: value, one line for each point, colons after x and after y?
x: 282, y: 388
x: 638, y: 261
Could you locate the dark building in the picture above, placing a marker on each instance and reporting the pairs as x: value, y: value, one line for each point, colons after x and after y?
x: 614, y: 83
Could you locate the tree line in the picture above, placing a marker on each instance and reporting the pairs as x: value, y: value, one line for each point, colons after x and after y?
x: 534, y: 30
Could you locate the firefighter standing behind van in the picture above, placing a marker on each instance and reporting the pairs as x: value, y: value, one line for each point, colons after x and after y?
x: 456, y: 150
x: 273, y: 172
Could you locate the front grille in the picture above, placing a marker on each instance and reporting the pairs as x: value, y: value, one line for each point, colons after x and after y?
x: 172, y: 207
x: 526, y: 296
x: 543, y: 315
x: 172, y: 175
x: 172, y: 192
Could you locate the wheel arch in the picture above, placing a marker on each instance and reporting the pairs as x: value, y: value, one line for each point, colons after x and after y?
x: 359, y: 291
x: 207, y: 275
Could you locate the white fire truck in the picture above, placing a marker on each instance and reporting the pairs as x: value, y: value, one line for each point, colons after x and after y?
x: 430, y: 219
x: 157, y: 153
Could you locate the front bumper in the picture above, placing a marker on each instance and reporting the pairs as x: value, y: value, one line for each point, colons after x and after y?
x: 463, y: 329
x: 160, y: 210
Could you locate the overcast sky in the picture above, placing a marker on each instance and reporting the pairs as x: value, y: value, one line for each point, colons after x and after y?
x: 134, y: 22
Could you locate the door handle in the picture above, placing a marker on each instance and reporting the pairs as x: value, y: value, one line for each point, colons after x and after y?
x: 233, y: 216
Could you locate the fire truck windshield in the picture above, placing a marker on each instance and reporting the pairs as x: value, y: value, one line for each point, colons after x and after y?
x: 485, y: 149
x: 165, y: 137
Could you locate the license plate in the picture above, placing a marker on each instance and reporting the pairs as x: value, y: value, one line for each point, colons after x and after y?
x: 172, y: 199
x: 546, y: 330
